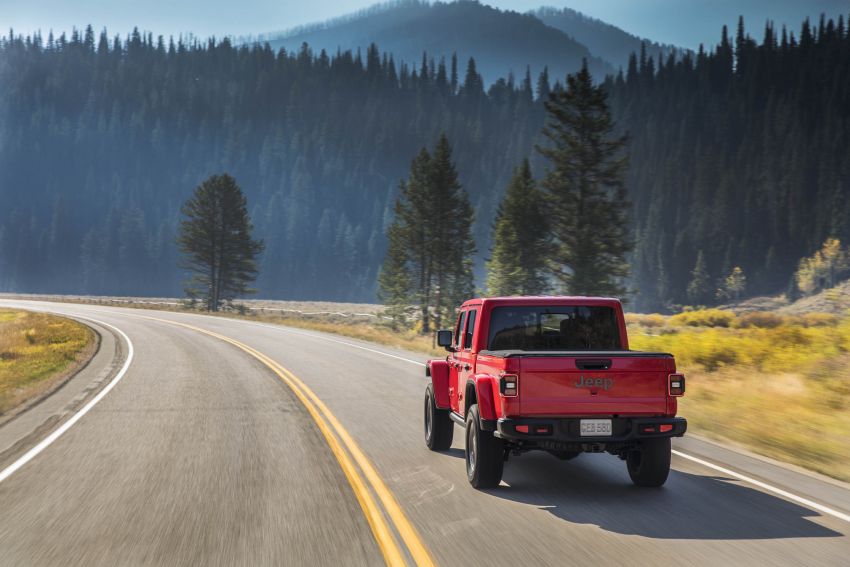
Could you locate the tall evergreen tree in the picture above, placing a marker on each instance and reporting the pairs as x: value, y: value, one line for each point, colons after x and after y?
x: 216, y: 239
x: 450, y: 234
x: 429, y: 258
x: 517, y: 265
x: 586, y: 191
x: 395, y: 283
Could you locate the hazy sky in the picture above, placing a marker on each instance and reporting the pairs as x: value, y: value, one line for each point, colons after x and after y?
x: 683, y: 22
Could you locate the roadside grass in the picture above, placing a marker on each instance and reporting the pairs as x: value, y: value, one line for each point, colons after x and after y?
x: 35, y: 349
x: 777, y: 384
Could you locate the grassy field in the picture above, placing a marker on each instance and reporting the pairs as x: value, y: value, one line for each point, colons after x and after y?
x: 777, y: 384
x: 35, y: 350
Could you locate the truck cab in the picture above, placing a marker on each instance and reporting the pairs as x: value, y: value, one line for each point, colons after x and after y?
x: 553, y: 374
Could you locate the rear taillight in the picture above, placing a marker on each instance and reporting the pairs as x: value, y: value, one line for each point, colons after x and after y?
x: 508, y: 385
x: 677, y: 385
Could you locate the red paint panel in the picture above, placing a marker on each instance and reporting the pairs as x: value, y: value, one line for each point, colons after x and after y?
x: 484, y: 390
x: 631, y: 386
x: 440, y: 380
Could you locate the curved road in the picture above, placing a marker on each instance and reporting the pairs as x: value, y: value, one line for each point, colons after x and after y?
x: 228, y: 442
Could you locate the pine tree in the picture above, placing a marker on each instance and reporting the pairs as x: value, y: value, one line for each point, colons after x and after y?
x: 543, y: 88
x: 216, y: 238
x: 429, y: 258
x: 700, y: 284
x: 586, y: 191
x: 394, y: 279
x: 450, y: 235
x: 473, y: 84
x: 517, y: 265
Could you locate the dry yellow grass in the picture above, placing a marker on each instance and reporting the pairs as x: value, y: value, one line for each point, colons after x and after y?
x: 779, y: 385
x: 35, y: 349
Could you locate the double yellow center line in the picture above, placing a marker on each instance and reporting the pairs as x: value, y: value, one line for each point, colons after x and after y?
x: 344, y: 448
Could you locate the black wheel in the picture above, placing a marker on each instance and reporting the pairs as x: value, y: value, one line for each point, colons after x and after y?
x: 649, y: 464
x: 439, y: 427
x: 485, y: 453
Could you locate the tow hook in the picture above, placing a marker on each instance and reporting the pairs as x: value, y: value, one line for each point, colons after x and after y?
x: 593, y: 447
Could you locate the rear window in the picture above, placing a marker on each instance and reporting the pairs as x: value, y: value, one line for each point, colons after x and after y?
x: 553, y: 328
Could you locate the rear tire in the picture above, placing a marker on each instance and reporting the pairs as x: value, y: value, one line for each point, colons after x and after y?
x: 439, y: 427
x: 485, y: 453
x: 649, y: 465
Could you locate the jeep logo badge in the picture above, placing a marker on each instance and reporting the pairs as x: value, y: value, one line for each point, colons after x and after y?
x: 587, y: 382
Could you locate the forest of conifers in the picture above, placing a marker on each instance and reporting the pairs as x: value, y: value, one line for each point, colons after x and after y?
x: 741, y: 153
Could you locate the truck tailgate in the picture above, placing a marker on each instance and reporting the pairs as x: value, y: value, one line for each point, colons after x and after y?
x: 594, y: 384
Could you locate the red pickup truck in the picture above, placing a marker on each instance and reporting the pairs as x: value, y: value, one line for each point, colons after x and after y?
x: 552, y: 374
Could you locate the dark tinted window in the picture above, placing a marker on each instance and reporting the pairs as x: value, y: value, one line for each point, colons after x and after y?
x: 553, y: 328
x: 470, y: 328
x: 459, y: 329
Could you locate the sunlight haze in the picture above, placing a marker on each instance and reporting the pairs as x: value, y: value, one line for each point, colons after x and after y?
x: 664, y: 21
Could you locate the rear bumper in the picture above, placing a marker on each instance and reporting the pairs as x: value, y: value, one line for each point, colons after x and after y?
x: 625, y: 430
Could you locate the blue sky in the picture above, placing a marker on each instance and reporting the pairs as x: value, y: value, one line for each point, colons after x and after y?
x: 683, y: 22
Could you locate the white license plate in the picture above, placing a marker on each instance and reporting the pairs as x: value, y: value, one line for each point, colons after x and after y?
x: 595, y: 427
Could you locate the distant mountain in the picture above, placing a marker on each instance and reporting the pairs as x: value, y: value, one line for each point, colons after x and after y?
x: 500, y: 41
x: 602, y: 39
x: 689, y: 23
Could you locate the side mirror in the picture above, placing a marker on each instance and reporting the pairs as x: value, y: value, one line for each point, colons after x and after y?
x: 444, y: 339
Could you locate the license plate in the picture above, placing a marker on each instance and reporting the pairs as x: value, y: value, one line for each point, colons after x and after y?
x: 595, y: 427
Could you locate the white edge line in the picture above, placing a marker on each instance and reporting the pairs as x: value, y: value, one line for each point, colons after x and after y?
x: 318, y: 336
x: 768, y: 487
x: 47, y: 441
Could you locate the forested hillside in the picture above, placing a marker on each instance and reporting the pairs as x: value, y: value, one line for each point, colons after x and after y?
x: 500, y: 41
x: 104, y: 139
x: 742, y: 154
x: 605, y: 41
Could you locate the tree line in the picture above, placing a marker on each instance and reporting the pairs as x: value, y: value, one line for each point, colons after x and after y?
x: 570, y: 235
x: 738, y: 156
x: 104, y: 137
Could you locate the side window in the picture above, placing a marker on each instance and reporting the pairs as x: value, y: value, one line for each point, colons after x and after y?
x: 459, y: 329
x: 470, y: 329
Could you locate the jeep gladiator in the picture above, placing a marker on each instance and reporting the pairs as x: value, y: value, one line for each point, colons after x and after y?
x: 552, y: 374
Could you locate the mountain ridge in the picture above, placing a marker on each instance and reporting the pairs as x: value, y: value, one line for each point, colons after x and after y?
x: 605, y: 40
x: 500, y: 41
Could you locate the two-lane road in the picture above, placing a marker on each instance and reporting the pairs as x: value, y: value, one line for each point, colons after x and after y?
x: 203, y: 454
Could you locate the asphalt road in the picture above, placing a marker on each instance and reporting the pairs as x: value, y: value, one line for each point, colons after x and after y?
x: 201, y: 454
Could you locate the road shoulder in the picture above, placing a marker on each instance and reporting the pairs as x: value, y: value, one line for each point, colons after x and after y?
x: 804, y: 483
x: 36, y: 418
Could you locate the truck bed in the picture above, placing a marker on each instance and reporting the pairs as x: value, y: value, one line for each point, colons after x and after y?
x: 575, y: 353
